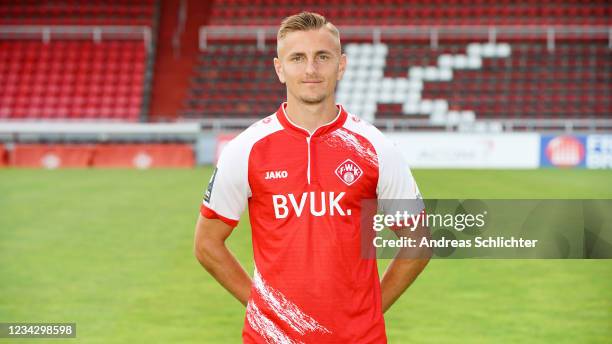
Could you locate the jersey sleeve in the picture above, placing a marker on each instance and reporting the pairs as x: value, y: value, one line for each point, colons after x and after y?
x: 395, y: 182
x: 228, y: 189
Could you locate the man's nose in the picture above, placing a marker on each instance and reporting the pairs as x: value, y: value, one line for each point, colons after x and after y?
x: 311, y: 67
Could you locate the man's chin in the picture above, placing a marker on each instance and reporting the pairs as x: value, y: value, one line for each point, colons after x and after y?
x: 312, y: 100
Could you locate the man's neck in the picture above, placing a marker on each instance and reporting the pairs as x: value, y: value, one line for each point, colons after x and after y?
x: 311, y: 117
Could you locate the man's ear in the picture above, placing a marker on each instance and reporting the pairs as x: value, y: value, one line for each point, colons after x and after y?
x: 341, y: 66
x: 279, y: 70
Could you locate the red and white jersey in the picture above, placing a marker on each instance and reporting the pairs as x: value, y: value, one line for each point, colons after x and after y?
x: 310, y: 284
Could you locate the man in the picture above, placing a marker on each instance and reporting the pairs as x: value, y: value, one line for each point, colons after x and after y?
x: 304, y: 171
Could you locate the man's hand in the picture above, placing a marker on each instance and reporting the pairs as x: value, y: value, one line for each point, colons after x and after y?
x: 216, y: 258
x: 404, y: 268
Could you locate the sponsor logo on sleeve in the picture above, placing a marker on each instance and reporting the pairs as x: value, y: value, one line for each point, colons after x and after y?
x: 210, y: 187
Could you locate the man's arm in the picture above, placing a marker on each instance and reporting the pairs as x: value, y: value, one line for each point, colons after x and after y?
x: 218, y: 260
x: 404, y: 268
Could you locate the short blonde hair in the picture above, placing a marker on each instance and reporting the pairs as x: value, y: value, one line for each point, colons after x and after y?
x: 305, y: 21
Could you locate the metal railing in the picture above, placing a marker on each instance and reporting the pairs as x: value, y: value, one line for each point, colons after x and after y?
x: 53, y: 131
x: 261, y: 34
x: 569, y: 125
x: 47, y: 33
x: 190, y: 130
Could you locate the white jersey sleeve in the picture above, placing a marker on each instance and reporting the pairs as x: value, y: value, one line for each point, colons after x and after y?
x: 396, y: 183
x: 395, y: 179
x: 228, y: 190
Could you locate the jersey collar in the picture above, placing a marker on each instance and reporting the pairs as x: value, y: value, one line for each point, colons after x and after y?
x: 336, y: 123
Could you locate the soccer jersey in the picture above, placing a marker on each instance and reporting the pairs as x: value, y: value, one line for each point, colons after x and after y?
x: 310, y: 284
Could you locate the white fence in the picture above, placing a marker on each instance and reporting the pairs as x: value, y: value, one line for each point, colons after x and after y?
x: 434, y: 34
x: 97, y: 131
x: 95, y: 33
x: 481, y: 126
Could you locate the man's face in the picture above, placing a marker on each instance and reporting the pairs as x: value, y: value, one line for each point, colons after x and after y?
x: 310, y: 64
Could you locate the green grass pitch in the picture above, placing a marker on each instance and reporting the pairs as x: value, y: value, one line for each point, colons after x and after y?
x: 112, y: 251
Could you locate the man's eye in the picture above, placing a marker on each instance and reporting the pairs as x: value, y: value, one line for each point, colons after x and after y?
x: 296, y: 58
x: 324, y: 57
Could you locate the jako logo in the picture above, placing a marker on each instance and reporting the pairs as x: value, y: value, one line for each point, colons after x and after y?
x: 324, y: 201
x: 348, y: 172
x: 276, y: 174
x: 565, y: 151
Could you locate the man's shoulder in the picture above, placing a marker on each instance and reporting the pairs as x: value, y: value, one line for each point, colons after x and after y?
x: 366, y: 129
x: 255, y: 132
x: 269, y: 123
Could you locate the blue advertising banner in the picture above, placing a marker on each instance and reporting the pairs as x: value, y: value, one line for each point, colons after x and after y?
x: 576, y: 151
x: 599, y: 151
x: 563, y: 151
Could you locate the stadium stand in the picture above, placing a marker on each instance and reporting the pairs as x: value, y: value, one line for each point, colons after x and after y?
x: 571, y: 82
x: 77, y: 12
x: 433, y: 65
x: 71, y: 79
x: 417, y: 12
x: 75, y: 59
x: 459, y: 79
x: 467, y: 81
x: 234, y: 80
x: 525, y: 81
x: 108, y: 79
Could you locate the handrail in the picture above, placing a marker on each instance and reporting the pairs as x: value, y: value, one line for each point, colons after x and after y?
x: 433, y: 33
x: 96, y: 33
x: 63, y: 127
x: 191, y: 127
x: 569, y: 125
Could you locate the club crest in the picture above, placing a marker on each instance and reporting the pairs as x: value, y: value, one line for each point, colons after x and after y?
x: 349, y: 172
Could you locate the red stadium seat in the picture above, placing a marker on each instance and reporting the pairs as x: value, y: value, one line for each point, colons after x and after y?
x: 403, y: 12
x: 58, y: 80
x: 59, y: 12
x: 573, y: 81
